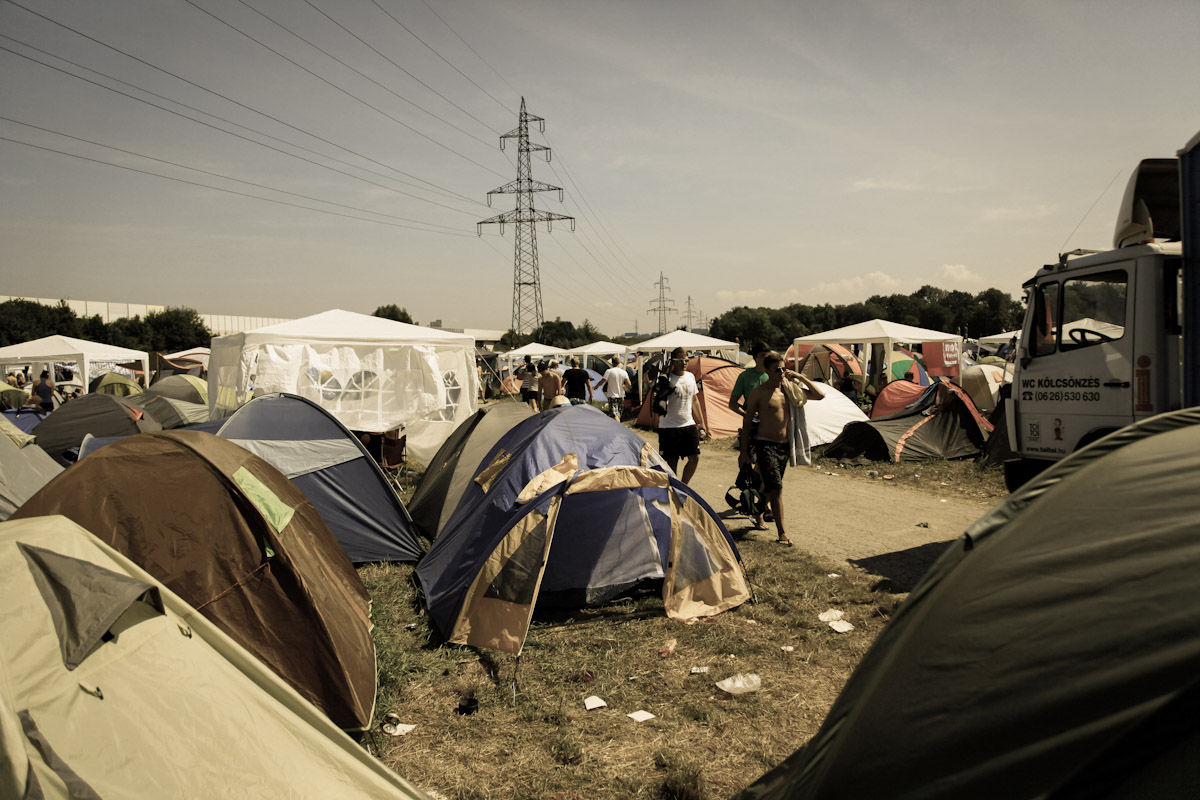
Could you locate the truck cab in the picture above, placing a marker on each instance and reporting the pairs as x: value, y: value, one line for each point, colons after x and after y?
x: 1102, y: 346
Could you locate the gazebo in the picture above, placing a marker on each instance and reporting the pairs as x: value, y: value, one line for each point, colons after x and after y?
x: 45, y: 352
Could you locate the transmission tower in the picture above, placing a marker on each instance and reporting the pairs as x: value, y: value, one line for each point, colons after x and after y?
x: 527, y: 285
x: 689, y: 316
x: 660, y: 307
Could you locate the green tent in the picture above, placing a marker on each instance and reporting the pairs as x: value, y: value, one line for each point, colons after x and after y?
x: 114, y: 383
x: 1052, y: 652
x: 113, y: 686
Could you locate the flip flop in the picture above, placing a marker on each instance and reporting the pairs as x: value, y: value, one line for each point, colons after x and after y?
x: 786, y: 542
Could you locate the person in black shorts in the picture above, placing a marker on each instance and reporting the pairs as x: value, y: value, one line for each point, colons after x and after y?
x: 529, y: 383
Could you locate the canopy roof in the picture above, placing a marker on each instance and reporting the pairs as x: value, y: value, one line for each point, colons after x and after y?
x: 999, y: 338
x: 349, y: 327
x: 49, y: 349
x: 685, y: 339
x: 599, y: 349
x: 533, y: 349
x: 878, y: 331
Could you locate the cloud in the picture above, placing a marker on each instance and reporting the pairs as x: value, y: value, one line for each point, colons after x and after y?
x: 853, y: 290
x: 741, y: 296
x: 886, y: 185
x: 959, y: 274
x: 1013, y: 214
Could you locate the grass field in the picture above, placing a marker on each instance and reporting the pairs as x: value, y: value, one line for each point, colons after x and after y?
x: 528, y: 735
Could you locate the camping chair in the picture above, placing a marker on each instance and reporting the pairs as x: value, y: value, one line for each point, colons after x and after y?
x: 394, y: 458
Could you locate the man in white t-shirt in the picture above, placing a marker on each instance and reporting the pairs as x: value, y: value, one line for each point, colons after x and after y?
x: 617, y: 381
x: 678, y: 434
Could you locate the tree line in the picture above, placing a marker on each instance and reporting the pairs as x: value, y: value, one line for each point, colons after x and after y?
x: 974, y: 315
x: 166, y: 331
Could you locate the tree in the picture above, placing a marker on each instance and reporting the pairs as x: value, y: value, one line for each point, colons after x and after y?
x: 395, y: 312
x: 130, y: 332
x: 175, y: 329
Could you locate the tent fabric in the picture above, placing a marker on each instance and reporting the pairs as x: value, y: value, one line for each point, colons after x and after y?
x: 178, y: 695
x: 894, y: 397
x: 599, y: 349
x: 821, y: 361
x: 941, y: 423
x: 982, y: 382
x: 230, y: 535
x: 999, y: 338
x: 334, y: 471
x: 98, y: 414
x: 188, y: 388
x: 114, y: 383
x: 1051, y: 652
x: 621, y: 519
x: 372, y: 374
x: 25, y: 419
x: 45, y: 352
x: 690, y: 342
x: 457, y: 461
x: 878, y: 331
x: 24, y: 468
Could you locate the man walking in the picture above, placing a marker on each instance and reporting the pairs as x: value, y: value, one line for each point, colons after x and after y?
x: 577, y: 383
x: 529, y: 384
x: 770, y: 441
x: 678, y: 434
x: 549, y: 384
x: 749, y: 380
x: 618, y: 384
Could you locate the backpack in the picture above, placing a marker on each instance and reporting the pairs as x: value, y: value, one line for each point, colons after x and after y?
x: 745, y: 495
x: 662, y: 390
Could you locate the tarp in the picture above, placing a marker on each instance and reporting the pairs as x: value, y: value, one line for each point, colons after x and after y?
x: 229, y: 534
x: 1051, y: 652
x: 372, y: 374
x: 333, y: 469
x: 575, y: 478
x: 456, y: 463
x: 24, y: 468
x: 93, y: 358
x: 158, y: 701
x: 941, y: 423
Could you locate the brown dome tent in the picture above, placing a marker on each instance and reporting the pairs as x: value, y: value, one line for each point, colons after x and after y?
x: 233, y: 537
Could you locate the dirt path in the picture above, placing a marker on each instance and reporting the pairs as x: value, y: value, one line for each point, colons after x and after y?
x: 884, y: 528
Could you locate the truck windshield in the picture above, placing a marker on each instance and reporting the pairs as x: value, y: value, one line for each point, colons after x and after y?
x: 1093, y: 309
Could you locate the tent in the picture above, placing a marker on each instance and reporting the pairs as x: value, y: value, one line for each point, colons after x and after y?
x: 333, y: 469
x: 114, y: 383
x: 941, y: 423
x: 15, y: 398
x: 24, y: 468
x: 895, y: 397
x: 888, y: 335
x: 197, y: 354
x: 372, y: 374
x: 188, y: 388
x: 982, y: 382
x: 229, y: 534
x: 691, y: 342
x: 822, y: 361
x: 25, y: 419
x: 112, y: 686
x: 575, y: 478
x: 1050, y: 653
x: 92, y: 358
x: 457, y: 462
x: 999, y: 338
x: 98, y: 414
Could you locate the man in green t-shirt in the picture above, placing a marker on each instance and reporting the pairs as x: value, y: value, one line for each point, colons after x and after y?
x: 750, y: 379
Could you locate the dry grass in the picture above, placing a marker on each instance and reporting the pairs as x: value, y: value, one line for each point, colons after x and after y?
x: 530, y: 736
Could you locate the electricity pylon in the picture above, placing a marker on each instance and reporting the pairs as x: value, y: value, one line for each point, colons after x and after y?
x: 527, y: 284
x: 660, y: 307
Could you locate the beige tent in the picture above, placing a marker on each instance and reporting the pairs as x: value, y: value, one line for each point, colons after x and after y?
x: 112, y: 686
x: 24, y: 468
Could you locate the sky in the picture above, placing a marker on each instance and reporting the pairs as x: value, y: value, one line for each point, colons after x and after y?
x: 279, y: 158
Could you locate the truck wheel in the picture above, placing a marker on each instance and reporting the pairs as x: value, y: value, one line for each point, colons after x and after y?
x: 1020, y: 471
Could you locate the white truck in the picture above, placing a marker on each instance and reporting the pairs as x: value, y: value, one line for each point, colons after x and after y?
x: 1103, y: 343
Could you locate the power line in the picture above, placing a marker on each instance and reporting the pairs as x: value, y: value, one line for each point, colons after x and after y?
x: 219, y: 189
x: 223, y: 177
x: 231, y: 133
x: 362, y: 74
x: 472, y: 49
x: 349, y: 94
x: 442, y: 190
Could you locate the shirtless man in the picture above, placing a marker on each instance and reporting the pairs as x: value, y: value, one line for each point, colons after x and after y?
x: 771, y: 440
x: 549, y: 384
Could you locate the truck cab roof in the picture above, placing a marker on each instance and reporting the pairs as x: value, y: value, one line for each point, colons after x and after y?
x: 1107, y: 257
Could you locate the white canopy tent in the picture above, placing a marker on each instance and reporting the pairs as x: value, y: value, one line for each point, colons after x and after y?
x: 535, y: 350
x: 200, y: 354
x: 691, y: 342
x: 599, y: 349
x: 91, y: 358
x: 372, y: 374
x: 881, y: 331
x: 999, y: 338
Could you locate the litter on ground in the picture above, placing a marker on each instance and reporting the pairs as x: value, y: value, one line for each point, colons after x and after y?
x: 740, y: 684
x: 593, y: 702
x: 640, y: 716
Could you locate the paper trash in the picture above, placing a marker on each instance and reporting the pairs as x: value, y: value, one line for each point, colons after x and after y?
x: 841, y: 626
x: 593, y: 702
x: 830, y: 615
x: 640, y: 716
x: 699, y: 670
x: 740, y: 684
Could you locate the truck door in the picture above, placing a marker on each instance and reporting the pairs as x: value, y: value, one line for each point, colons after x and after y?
x: 1076, y: 378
